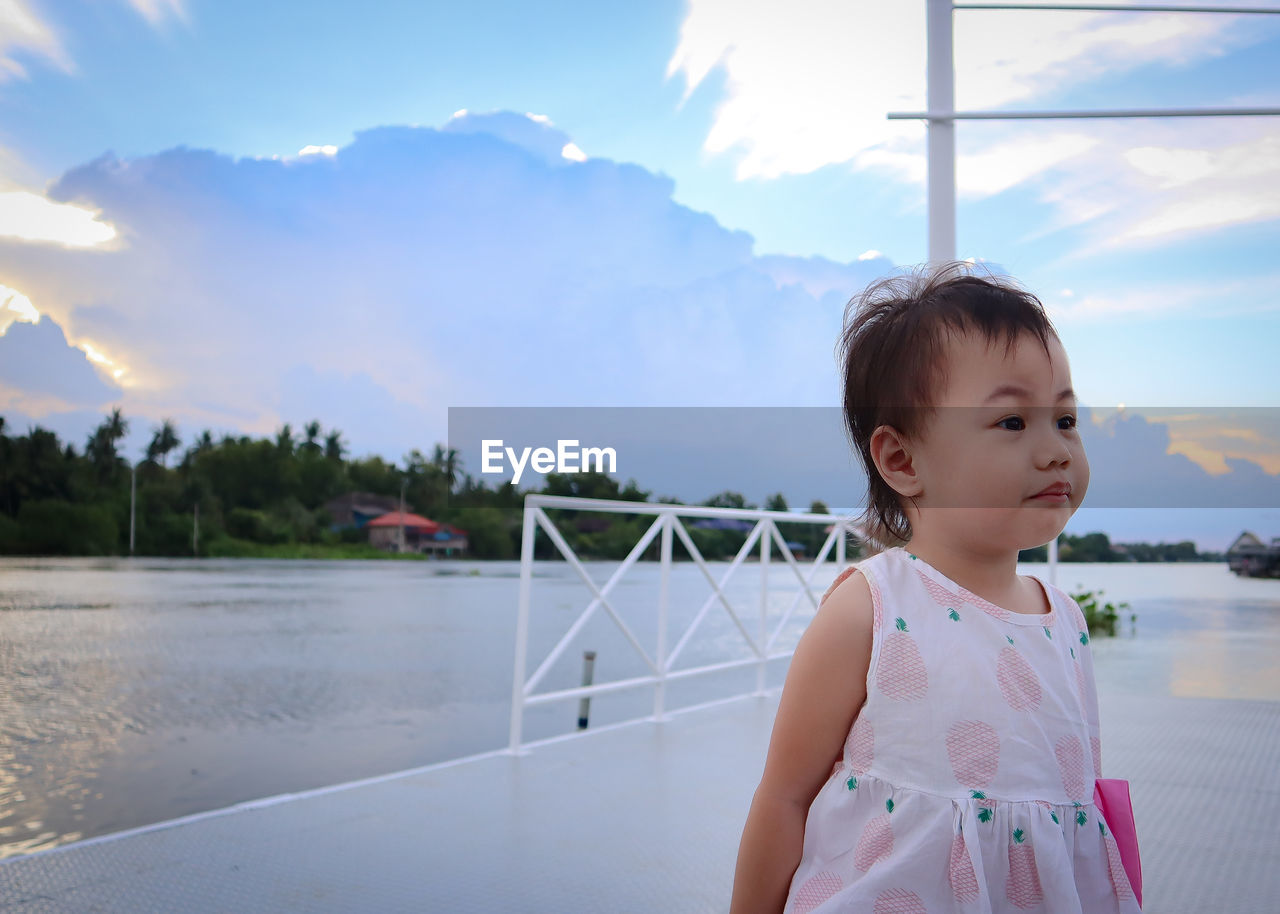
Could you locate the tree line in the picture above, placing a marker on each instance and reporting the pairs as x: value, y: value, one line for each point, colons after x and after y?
x: 266, y: 497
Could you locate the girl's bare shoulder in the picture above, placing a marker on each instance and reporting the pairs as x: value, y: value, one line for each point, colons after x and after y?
x: 826, y: 685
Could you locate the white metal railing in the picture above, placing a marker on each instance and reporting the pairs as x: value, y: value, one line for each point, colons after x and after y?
x: 940, y: 102
x: 667, y: 524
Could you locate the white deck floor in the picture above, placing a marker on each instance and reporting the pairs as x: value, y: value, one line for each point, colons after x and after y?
x: 640, y: 818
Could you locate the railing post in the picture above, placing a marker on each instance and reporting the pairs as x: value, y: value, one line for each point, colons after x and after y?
x: 940, y: 79
x: 664, y: 599
x: 842, y: 533
x: 763, y: 639
x: 522, y: 625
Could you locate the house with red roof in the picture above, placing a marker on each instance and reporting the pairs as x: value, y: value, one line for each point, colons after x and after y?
x: 421, y: 534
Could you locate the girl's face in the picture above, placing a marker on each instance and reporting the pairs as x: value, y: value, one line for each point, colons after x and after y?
x: 988, y: 451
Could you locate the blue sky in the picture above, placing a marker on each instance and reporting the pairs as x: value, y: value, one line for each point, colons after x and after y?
x: 605, y: 204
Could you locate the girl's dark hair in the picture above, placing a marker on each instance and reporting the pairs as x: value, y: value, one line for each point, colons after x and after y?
x: 893, y: 355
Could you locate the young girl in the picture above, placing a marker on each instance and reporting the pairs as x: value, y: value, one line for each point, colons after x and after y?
x: 956, y: 697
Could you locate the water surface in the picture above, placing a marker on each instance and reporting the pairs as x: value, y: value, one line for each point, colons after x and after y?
x: 138, y: 691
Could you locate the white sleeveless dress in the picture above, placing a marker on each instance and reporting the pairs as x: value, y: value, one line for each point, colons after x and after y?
x: 966, y: 782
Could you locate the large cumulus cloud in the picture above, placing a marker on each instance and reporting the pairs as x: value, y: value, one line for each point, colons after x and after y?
x: 473, y: 264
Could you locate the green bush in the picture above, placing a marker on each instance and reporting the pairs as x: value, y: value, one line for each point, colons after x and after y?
x: 256, y: 526
x: 54, y: 527
x: 9, y: 537
x: 1099, y: 618
x: 487, y: 531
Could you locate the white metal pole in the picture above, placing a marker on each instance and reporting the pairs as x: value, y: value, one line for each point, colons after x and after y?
x: 1053, y: 561
x: 664, y: 600
x: 522, y: 626
x: 133, y: 498
x: 940, y: 101
x: 1120, y: 8
x: 763, y: 639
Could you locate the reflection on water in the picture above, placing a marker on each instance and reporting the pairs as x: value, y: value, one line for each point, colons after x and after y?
x: 1233, y: 656
x: 134, y: 692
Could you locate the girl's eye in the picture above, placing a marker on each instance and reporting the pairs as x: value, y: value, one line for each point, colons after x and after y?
x: 1070, y: 420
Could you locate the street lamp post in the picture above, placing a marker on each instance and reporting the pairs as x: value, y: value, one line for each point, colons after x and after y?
x: 133, y: 497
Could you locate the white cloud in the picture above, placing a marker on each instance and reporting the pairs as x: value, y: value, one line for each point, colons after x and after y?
x: 1195, y: 179
x: 571, y: 152
x: 1007, y: 164
x: 466, y: 265
x: 1004, y: 57
x: 32, y: 217
x: 1231, y: 298
x: 1173, y: 167
x: 808, y: 84
x: 328, y: 150
x: 37, y: 359
x: 14, y: 306
x: 23, y: 32
x: 870, y: 255
x: 15, y: 174
x: 157, y: 11
x: 1215, y: 187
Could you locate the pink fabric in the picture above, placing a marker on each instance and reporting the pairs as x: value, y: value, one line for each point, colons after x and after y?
x: 1111, y: 796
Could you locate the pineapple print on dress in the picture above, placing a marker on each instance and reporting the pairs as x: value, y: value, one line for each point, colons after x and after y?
x: 816, y: 889
x: 1070, y: 753
x: 860, y: 749
x: 876, y: 842
x: 899, y: 901
x: 902, y: 675
x: 1018, y: 681
x: 1023, y: 884
x: 964, y: 884
x: 973, y: 748
x: 1119, y: 878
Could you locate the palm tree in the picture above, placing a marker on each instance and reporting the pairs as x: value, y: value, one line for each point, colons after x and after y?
x: 333, y: 447
x: 164, y: 439
x: 284, y: 439
x: 446, y: 460
x: 101, y: 447
x: 117, y: 424
x: 313, y: 432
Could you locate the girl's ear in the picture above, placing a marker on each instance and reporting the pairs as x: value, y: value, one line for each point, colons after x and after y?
x: 892, y: 457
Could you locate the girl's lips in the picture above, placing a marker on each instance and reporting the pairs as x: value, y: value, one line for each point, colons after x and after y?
x: 1055, y: 498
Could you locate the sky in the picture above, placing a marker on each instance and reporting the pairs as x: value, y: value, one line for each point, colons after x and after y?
x: 239, y: 215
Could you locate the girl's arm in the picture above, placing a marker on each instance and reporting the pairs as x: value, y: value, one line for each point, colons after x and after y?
x: 825, y: 686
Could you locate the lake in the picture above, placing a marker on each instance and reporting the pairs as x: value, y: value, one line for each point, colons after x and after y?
x: 135, y: 691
